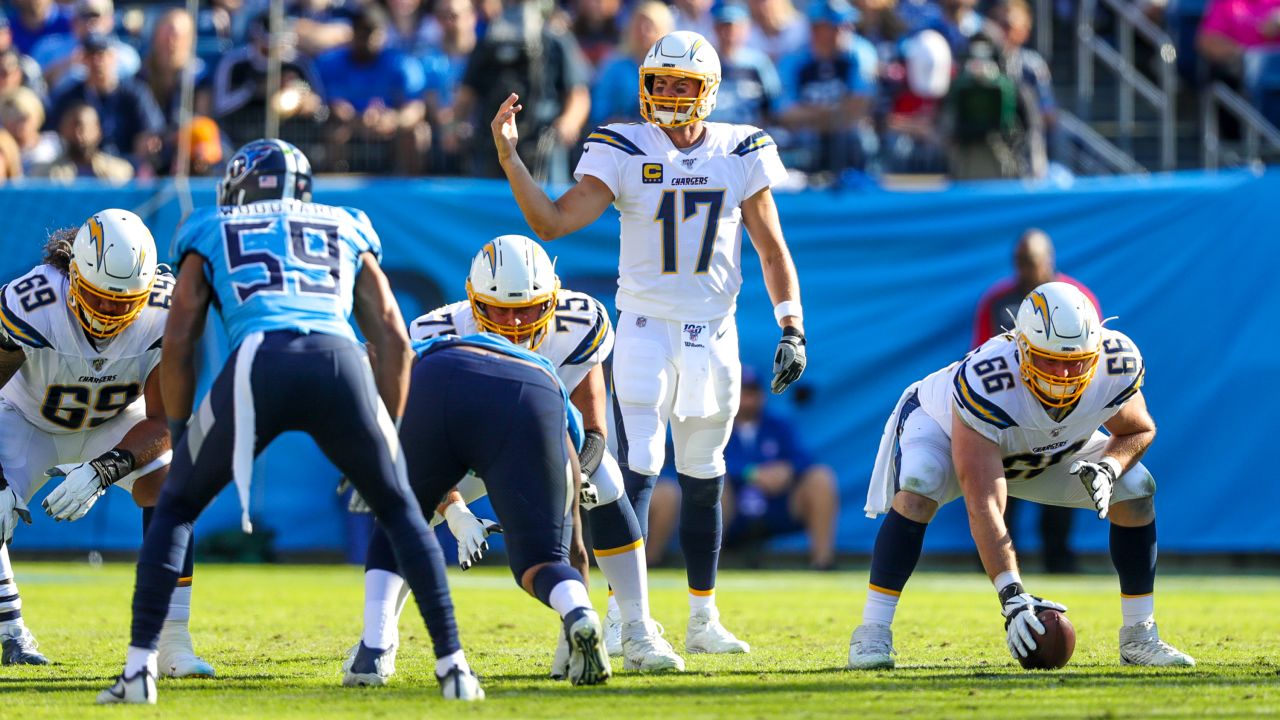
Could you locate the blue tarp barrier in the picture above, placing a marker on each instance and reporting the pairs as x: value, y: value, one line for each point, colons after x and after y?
x: 890, y: 281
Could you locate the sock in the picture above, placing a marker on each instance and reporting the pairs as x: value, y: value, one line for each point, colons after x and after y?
x: 550, y: 579
x: 701, y: 600
x: 567, y: 596
x: 701, y: 527
x: 613, y: 604
x: 421, y: 562
x: 639, y: 492
x: 454, y: 659
x: 381, y: 605
x: 1133, y: 552
x: 619, y: 551
x: 137, y: 659
x: 880, y: 607
x: 10, y: 602
x: 180, y: 602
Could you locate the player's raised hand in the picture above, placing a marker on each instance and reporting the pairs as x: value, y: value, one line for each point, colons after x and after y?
x: 12, y: 509
x: 505, y: 135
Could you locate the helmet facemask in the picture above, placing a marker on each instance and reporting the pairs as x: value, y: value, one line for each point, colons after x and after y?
x: 529, y: 335
x: 673, y: 112
x: 111, y: 272
x: 1054, y: 391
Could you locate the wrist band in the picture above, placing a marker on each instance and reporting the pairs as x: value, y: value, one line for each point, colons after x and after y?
x: 787, y: 307
x: 1005, y: 579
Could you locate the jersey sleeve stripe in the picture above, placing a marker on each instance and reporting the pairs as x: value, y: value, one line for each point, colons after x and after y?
x: 605, y: 136
x: 756, y: 141
x: 591, y: 342
x: 1130, y: 391
x: 980, y: 407
x: 157, y: 344
x: 18, y: 328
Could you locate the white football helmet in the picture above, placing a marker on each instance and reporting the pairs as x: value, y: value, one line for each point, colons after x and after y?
x: 113, y: 265
x: 513, y: 271
x: 1057, y: 322
x: 685, y: 54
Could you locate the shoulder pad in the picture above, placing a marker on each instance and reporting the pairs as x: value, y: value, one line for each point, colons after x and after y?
x: 20, y: 300
x: 975, y: 403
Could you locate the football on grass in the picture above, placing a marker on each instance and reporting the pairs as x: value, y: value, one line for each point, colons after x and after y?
x: 1054, y: 648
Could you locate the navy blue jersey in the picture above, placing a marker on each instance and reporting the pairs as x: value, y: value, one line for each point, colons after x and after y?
x: 281, y: 264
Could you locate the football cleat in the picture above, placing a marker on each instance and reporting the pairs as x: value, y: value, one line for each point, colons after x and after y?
x: 644, y: 648
x: 176, y: 657
x: 137, y: 689
x: 459, y: 684
x: 1141, y: 645
x: 19, y: 647
x: 368, y: 667
x: 871, y: 647
x: 613, y: 632
x: 706, y: 635
x: 588, y: 662
x: 560, y: 661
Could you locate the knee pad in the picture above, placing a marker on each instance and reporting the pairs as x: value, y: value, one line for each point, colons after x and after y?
x: 924, y: 470
x: 1135, y: 484
x: 701, y: 492
x: 608, y: 481
x: 699, y: 444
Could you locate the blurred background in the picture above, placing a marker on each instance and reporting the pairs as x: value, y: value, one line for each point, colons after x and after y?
x: 926, y: 141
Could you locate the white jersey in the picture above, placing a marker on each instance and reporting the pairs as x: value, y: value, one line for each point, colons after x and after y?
x: 987, y: 391
x: 66, y: 385
x: 680, y: 213
x: 579, y: 338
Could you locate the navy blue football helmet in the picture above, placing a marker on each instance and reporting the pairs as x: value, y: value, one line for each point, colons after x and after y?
x: 268, y: 169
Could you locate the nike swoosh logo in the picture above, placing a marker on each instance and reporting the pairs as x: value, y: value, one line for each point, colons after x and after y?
x: 721, y: 333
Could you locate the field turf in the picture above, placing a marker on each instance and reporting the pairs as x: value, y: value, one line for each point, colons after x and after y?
x: 277, y: 635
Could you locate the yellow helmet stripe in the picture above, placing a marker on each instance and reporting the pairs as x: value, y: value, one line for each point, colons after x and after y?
x: 1041, y: 306
x: 99, y: 244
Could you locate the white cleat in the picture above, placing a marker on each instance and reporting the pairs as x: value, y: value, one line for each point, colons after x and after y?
x: 138, y: 689
x: 560, y: 661
x: 588, y: 662
x: 368, y: 667
x: 1141, y: 645
x: 706, y: 635
x: 871, y: 647
x: 176, y: 657
x: 459, y: 684
x: 644, y: 648
x: 613, y: 632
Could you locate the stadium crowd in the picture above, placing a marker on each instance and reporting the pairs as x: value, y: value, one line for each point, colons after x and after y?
x: 400, y: 87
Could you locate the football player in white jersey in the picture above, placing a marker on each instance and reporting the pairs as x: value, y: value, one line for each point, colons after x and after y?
x: 1020, y: 416
x: 684, y: 188
x: 79, y: 340
x: 513, y: 291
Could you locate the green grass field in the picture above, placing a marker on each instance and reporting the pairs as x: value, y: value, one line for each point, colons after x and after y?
x: 277, y: 635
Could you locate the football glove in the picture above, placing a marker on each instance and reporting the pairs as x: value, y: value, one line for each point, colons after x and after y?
x: 355, y: 503
x: 470, y: 532
x: 588, y: 493
x: 1099, y: 481
x: 85, y: 483
x: 12, y: 509
x: 1020, y: 620
x: 789, y: 360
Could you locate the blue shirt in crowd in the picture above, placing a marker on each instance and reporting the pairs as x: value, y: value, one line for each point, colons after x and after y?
x: 393, y: 78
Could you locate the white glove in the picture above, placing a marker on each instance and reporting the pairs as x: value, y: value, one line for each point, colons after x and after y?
x: 355, y: 503
x: 470, y: 532
x: 588, y: 493
x: 12, y: 508
x: 789, y: 360
x: 1099, y: 481
x: 75, y: 495
x: 1020, y: 619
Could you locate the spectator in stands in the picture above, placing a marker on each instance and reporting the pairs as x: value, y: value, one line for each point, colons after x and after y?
x: 320, y: 25
x: 131, y: 122
x: 10, y: 158
x: 694, y: 15
x: 375, y: 101
x: 773, y: 486
x: 22, y: 114
x: 749, y: 85
x: 1034, y: 265
x: 239, y: 93
x: 913, y: 135
x: 827, y: 91
x: 523, y: 53
x: 1024, y: 64
x: 82, y: 156
x: 170, y: 56
x: 28, y: 70
x: 617, y: 85
x: 445, y: 67
x: 60, y: 56
x: 31, y: 20
x: 206, y: 148
x: 1231, y: 27
x: 412, y: 31
x: 882, y: 26
x: 217, y: 27
x: 958, y: 22
x: 598, y: 29
x: 777, y: 29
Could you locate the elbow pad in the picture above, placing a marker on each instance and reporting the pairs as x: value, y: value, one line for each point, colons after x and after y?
x: 593, y: 447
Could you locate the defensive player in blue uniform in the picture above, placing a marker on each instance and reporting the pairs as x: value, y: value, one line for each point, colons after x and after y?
x: 285, y: 275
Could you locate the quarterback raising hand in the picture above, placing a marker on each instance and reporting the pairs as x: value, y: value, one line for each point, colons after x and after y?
x: 505, y: 134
